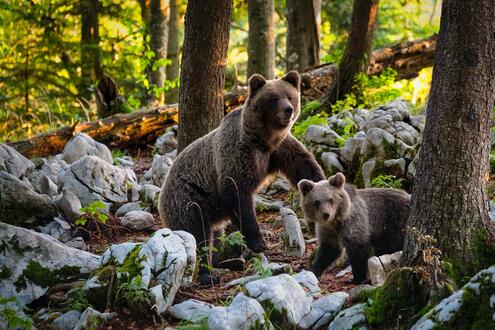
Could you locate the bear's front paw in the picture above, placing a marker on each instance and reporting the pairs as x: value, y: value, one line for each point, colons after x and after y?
x: 257, y: 244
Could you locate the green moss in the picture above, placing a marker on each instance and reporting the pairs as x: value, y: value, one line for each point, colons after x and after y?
x: 5, y: 273
x: 402, y: 297
x: 44, y: 277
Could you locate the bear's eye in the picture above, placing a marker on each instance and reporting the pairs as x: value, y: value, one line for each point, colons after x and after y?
x: 317, y: 203
x: 331, y: 201
x: 289, y: 98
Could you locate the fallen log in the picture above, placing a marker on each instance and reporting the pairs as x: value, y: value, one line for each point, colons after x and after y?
x: 143, y: 127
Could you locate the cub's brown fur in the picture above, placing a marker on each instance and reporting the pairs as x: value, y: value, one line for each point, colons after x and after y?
x: 365, y: 221
x: 214, y: 178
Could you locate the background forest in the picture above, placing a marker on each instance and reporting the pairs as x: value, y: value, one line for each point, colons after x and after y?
x: 52, y: 53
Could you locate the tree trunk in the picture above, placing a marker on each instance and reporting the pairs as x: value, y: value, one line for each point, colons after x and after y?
x: 173, y: 50
x: 202, y: 77
x: 261, y: 41
x: 90, y: 50
x: 358, y: 49
x: 303, y: 34
x: 449, y: 201
x: 157, y: 14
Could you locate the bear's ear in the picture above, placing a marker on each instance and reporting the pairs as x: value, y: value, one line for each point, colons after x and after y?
x: 293, y: 78
x: 255, y: 83
x: 337, y: 180
x: 305, y: 186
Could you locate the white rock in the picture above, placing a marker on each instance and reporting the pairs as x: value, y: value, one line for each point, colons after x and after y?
x: 77, y: 243
x: 367, y: 170
x: 69, y: 204
x: 13, y: 162
x: 138, y: 220
x: 331, y: 162
x: 244, y: 313
x: 323, y: 310
x: 93, y: 179
x: 349, y: 318
x: 83, y: 145
x: 150, y: 194
x: 266, y: 204
x: 24, y: 247
x: 66, y: 321
x: 159, y: 169
x: 92, y: 319
x: 397, y: 166
x: 316, y: 134
x: 309, y: 282
x: 159, y: 304
x: 191, y: 310
x: 21, y: 205
x: 283, y: 293
x: 352, y: 148
x: 42, y: 183
x: 294, y: 244
x: 52, y: 167
x: 133, y: 206
x: 379, y: 267
x: 166, y: 143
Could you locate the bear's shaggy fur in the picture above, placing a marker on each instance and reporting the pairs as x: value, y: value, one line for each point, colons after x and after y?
x: 365, y: 221
x: 214, y: 178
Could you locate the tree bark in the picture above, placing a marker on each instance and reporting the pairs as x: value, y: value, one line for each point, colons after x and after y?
x: 449, y: 201
x: 261, y: 40
x: 357, y: 53
x: 173, y: 49
x: 91, y: 69
x: 156, y: 13
x: 303, y: 34
x: 203, y: 68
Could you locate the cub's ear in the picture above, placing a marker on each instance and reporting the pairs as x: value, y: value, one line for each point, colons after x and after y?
x: 337, y: 180
x: 255, y: 83
x: 305, y: 186
x: 293, y: 78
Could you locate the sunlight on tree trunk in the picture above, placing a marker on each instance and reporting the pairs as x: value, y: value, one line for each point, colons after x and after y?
x: 303, y: 34
x: 204, y: 56
x: 261, y: 43
x: 358, y: 50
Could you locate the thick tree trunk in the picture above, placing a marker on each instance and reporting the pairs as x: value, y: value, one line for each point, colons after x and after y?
x: 449, y: 201
x: 357, y: 53
x: 203, y: 68
x: 303, y: 34
x: 157, y: 28
x: 90, y: 50
x: 261, y: 41
x: 173, y: 50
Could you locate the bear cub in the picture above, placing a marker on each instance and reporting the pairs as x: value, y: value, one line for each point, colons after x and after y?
x: 213, y: 179
x: 366, y: 222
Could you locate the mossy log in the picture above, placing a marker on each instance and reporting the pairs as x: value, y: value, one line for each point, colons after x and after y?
x: 142, y: 127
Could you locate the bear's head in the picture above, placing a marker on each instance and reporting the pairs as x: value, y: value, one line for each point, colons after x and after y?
x: 272, y: 106
x: 326, y: 201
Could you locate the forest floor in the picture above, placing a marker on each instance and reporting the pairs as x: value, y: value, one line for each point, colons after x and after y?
x: 272, y: 229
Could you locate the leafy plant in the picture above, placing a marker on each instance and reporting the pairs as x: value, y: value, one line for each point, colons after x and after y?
x: 234, y: 239
x: 14, y: 319
x: 299, y: 129
x: 133, y: 294
x: 387, y: 181
x: 94, y: 211
x: 260, y: 269
x: 78, y: 300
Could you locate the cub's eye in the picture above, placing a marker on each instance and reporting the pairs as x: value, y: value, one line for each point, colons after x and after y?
x: 331, y: 201
x: 317, y: 203
x: 289, y: 98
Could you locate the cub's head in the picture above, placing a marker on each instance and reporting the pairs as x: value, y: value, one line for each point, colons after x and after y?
x: 274, y: 103
x: 326, y: 201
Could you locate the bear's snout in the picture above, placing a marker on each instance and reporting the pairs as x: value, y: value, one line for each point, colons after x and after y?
x: 325, y: 216
x: 288, y: 111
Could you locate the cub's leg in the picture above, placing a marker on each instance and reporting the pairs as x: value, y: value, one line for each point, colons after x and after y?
x: 329, y: 249
x: 358, y: 258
